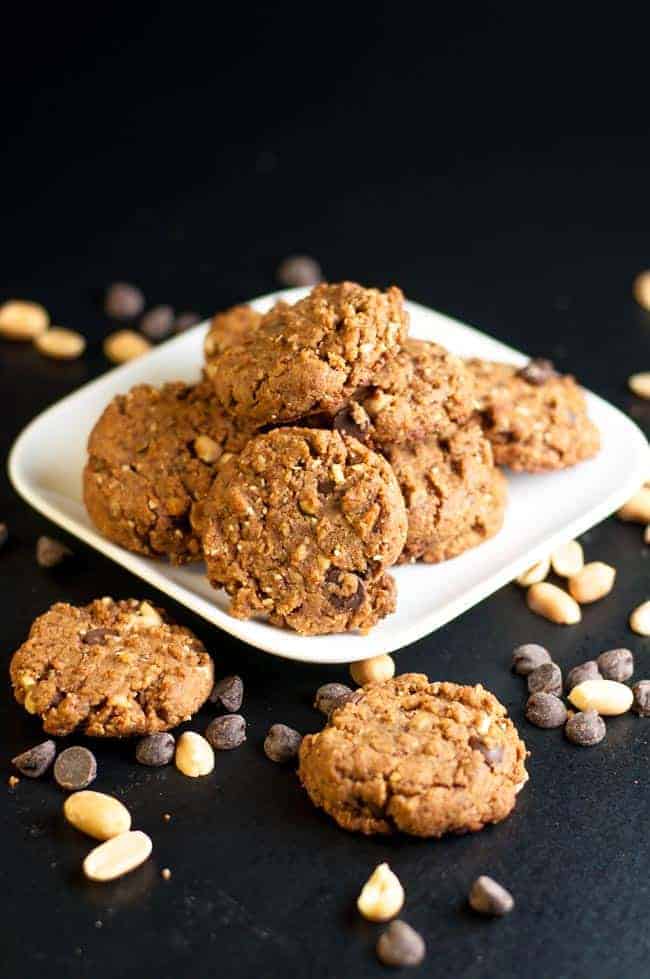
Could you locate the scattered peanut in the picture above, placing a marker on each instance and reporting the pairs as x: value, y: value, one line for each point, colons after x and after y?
x: 382, y: 895
x: 637, y: 508
x: 97, y: 814
x: 592, y: 583
x: 641, y: 289
x: 552, y: 603
x: 60, y: 344
x: 373, y: 670
x: 117, y: 856
x: 194, y: 756
x: 21, y: 320
x: 535, y: 573
x: 607, y: 697
x: 125, y: 345
x: 568, y: 559
x: 639, y: 384
x: 640, y: 619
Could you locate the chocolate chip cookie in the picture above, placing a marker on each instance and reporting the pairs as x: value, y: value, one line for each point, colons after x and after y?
x: 300, y: 526
x: 230, y: 328
x: 416, y: 757
x: 152, y: 454
x: 535, y: 418
x: 110, y: 669
x: 455, y: 496
x: 311, y: 356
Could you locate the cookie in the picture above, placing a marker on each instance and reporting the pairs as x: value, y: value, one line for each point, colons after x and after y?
x: 455, y: 496
x: 416, y: 757
x: 311, y: 356
x: 300, y: 526
x: 110, y: 669
x: 535, y: 418
x: 229, y: 329
x: 152, y: 454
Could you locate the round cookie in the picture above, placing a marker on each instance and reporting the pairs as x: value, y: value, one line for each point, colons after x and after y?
x: 152, y: 454
x: 311, y: 356
x: 455, y: 496
x: 535, y: 418
x: 416, y: 757
x: 230, y: 328
x: 300, y: 526
x: 110, y: 669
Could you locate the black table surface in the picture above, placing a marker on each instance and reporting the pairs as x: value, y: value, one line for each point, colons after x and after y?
x: 495, y: 166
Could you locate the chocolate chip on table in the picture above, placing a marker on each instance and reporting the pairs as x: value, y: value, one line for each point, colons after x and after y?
x: 97, y: 637
x: 641, y: 691
x: 582, y: 672
x: 4, y: 534
x: 330, y: 696
x: 347, y: 424
x: 400, y: 945
x: 75, y: 768
x: 537, y: 371
x: 184, y: 321
x: 488, y: 897
x: 546, y: 678
x: 51, y: 552
x: 226, y: 732
x: 528, y: 657
x: 492, y: 755
x: 228, y: 692
x: 282, y: 743
x: 36, y: 761
x: 299, y: 270
x: 340, y: 599
x: 123, y: 301
x: 586, y: 728
x: 616, y: 664
x: 545, y: 710
x: 156, y: 750
x: 157, y: 323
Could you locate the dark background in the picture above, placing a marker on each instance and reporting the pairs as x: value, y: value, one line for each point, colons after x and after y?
x: 495, y: 165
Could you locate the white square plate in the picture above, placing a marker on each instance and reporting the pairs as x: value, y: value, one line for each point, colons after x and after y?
x: 47, y: 459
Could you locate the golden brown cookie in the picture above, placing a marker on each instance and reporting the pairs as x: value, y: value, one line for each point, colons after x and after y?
x: 535, y: 418
x: 300, y: 526
x: 153, y: 454
x: 455, y: 497
x: 110, y: 669
x: 311, y: 356
x: 230, y: 328
x: 416, y: 757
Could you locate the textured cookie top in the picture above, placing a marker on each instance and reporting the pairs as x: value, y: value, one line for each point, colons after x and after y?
x: 152, y: 454
x: 230, y: 328
x: 535, y: 418
x: 300, y: 526
x: 311, y: 356
x: 110, y: 669
x: 423, y: 758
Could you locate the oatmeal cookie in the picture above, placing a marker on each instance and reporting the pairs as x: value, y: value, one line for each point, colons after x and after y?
x: 535, y: 418
x: 230, y: 328
x: 110, y: 669
x: 300, y: 526
x: 416, y: 757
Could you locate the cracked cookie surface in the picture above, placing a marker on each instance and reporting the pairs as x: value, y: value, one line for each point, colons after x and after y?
x: 152, y: 455
x: 110, y: 669
x: 300, y: 526
x: 535, y: 418
x: 416, y: 757
x: 229, y: 329
x: 311, y: 356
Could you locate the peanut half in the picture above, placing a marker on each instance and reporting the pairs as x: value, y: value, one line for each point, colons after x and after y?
x: 117, y: 856
x: 640, y: 619
x: 606, y: 697
x: 125, y: 345
x: 639, y: 384
x: 535, y: 573
x: 21, y: 320
x: 568, y: 559
x: 637, y: 508
x: 96, y: 814
x: 377, y: 668
x: 194, y: 755
x: 592, y: 583
x: 552, y: 603
x: 382, y: 896
x: 60, y: 344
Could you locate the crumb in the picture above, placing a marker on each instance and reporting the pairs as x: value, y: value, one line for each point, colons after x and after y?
x: 165, y: 873
x: 167, y: 816
x: 13, y: 781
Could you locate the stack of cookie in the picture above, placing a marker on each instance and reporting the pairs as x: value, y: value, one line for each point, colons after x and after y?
x: 321, y: 447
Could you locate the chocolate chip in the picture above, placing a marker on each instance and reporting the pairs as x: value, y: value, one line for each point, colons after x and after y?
x: 4, y: 534
x: 330, y: 696
x: 585, y: 728
x: 537, y: 371
x: 528, y: 657
x: 97, y: 637
x: 582, y: 672
x: 75, y: 768
x: 545, y: 710
x: 326, y: 487
x: 51, y: 552
x: 157, y: 322
x: 347, y: 424
x: 226, y: 732
x: 156, y: 749
x: 546, y: 678
x: 493, y: 756
x: 299, y: 270
x: 616, y: 664
x: 400, y: 945
x: 344, y: 603
x: 36, y: 761
x: 184, y: 321
x: 123, y: 301
x: 228, y: 692
x: 282, y: 743
x: 641, y: 691
x: 488, y: 897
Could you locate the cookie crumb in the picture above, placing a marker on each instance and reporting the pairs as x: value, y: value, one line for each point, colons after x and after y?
x: 167, y: 817
x: 166, y: 873
x: 51, y: 552
x: 13, y: 781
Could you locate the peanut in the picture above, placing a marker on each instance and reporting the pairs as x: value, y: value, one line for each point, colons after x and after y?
x: 377, y: 668
x: 641, y: 289
x: 60, y: 344
x: 639, y: 384
x: 640, y: 619
x: 592, y: 583
x: 206, y: 448
x: 96, y: 814
x: 568, y: 559
x: 552, y: 603
x: 637, y: 508
x: 382, y: 896
x: 194, y: 755
x: 535, y: 573
x: 117, y: 856
x: 21, y: 320
x: 607, y: 697
x: 125, y: 345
